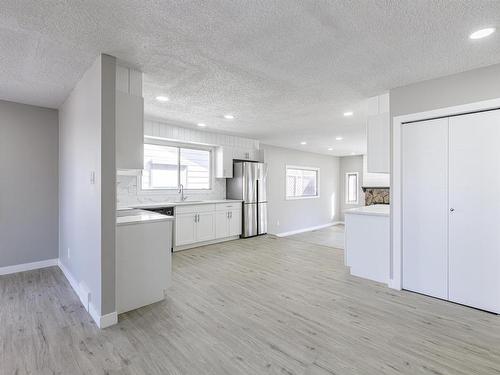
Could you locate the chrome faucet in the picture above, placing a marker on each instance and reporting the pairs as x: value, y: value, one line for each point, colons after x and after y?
x: 181, y: 192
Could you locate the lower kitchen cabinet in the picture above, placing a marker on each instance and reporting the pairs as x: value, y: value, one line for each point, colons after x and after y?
x: 228, y: 223
x: 202, y: 223
x: 205, y: 226
x: 185, y: 229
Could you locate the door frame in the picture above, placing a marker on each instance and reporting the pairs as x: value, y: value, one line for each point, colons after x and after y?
x: 396, y: 264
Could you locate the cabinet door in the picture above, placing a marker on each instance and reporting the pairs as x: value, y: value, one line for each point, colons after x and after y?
x: 474, y: 248
x: 185, y: 229
x: 221, y: 224
x: 205, y: 227
x: 235, y: 224
x: 129, y: 131
x: 425, y: 207
x: 378, y: 143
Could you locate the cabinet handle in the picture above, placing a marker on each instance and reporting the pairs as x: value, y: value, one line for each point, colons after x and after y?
x: 198, y: 217
x: 231, y: 214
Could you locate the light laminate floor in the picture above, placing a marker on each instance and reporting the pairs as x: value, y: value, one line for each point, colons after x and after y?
x: 330, y: 236
x: 258, y: 306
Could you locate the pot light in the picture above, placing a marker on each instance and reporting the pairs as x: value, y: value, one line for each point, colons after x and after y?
x: 483, y: 33
x: 162, y: 98
x: 347, y: 114
x: 201, y: 125
x: 339, y: 138
x: 229, y: 117
x: 330, y: 148
x: 303, y: 143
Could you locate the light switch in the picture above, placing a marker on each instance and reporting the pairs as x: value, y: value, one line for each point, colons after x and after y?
x: 92, y: 178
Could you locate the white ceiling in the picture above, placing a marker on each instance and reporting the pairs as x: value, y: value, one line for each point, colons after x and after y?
x: 286, y: 69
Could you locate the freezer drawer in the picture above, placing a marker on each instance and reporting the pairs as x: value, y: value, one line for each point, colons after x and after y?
x: 249, y: 220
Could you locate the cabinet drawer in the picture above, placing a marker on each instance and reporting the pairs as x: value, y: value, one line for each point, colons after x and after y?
x: 228, y: 206
x: 183, y: 209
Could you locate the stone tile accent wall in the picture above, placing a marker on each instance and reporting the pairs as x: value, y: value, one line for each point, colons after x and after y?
x: 376, y: 196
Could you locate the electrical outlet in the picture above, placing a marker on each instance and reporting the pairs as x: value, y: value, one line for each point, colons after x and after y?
x: 69, y: 253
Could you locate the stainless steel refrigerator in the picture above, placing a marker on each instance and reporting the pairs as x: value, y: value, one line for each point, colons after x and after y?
x: 249, y: 184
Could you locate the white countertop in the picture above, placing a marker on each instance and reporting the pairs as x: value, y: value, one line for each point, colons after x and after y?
x: 133, y: 216
x: 374, y: 210
x: 174, y: 204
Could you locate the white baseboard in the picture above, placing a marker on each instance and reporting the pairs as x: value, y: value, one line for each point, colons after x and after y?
x: 28, y: 266
x: 108, y: 320
x: 102, y: 321
x: 309, y: 229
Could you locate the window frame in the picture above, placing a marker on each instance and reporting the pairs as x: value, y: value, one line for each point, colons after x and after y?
x: 315, y: 169
x: 179, y: 146
x: 346, y: 188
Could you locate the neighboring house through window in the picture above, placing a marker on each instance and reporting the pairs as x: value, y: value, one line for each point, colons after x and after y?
x: 302, y: 182
x: 169, y: 166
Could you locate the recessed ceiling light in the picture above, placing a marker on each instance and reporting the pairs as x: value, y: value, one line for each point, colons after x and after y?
x: 347, y: 114
x: 330, y: 148
x: 229, y: 117
x: 338, y: 138
x: 353, y: 153
x: 483, y: 33
x: 303, y: 143
x: 201, y: 125
x: 162, y: 98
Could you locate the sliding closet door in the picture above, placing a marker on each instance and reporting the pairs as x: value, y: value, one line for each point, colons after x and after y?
x: 425, y: 207
x: 474, y: 232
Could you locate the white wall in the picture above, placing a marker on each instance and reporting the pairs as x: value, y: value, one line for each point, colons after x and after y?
x: 462, y: 88
x: 129, y: 192
x: 28, y: 188
x: 292, y: 215
x: 87, y: 210
x: 350, y: 164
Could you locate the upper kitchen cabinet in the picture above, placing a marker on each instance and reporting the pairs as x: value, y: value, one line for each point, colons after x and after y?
x: 224, y: 157
x: 378, y: 134
x: 129, y: 119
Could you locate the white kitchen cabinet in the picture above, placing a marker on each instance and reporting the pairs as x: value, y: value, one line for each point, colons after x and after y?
x: 221, y: 224
x: 228, y: 220
x: 224, y: 157
x: 450, y: 172
x: 223, y: 162
x: 205, y: 226
x: 185, y: 229
x: 378, y: 135
x: 129, y: 119
x: 235, y: 225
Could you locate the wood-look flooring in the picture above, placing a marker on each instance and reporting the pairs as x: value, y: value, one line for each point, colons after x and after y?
x: 330, y: 236
x: 258, y: 306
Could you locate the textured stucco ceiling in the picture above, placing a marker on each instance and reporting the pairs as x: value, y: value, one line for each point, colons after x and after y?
x: 286, y: 69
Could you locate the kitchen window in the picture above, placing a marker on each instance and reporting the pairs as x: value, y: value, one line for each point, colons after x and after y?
x: 302, y: 182
x: 168, y: 166
x: 351, y: 188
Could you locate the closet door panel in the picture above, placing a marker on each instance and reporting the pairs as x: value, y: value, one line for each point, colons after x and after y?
x: 474, y: 233
x: 425, y: 207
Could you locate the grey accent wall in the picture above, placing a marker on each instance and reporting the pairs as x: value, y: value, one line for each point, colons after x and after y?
x: 87, y: 209
x: 291, y: 215
x: 29, y: 184
x: 350, y: 164
x: 462, y: 88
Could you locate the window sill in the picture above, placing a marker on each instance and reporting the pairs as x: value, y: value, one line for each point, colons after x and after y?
x: 298, y: 198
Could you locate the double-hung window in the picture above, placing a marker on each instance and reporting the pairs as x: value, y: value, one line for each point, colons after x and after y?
x: 169, y: 166
x: 302, y: 182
